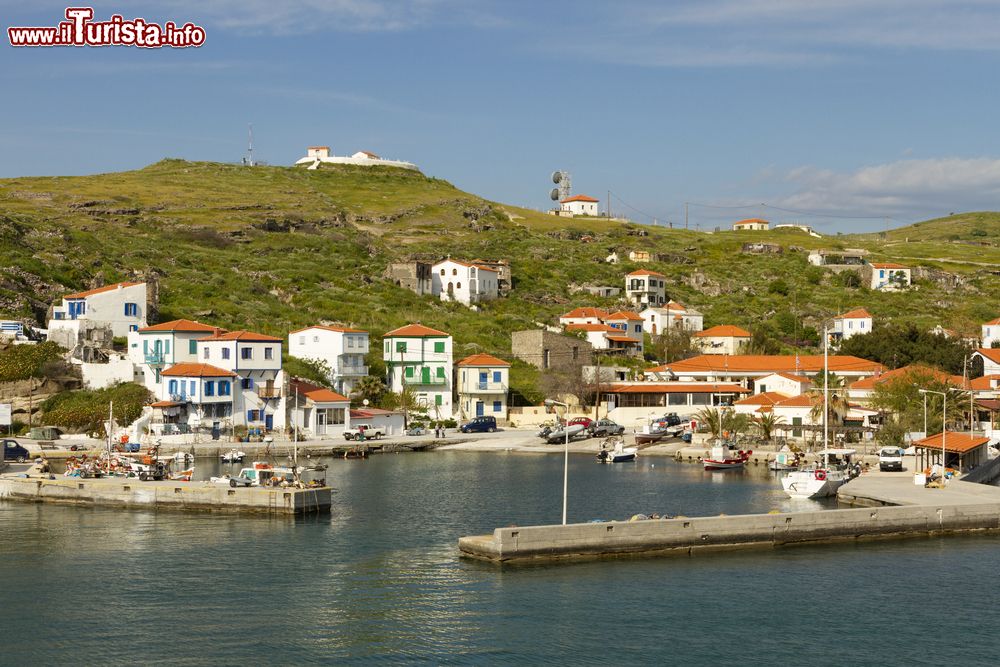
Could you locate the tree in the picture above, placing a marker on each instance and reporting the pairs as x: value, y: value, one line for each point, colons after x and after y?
x: 766, y: 423
x: 898, y: 345
x: 901, y: 403
x: 672, y: 345
x: 837, y: 404
x: 371, y: 388
x: 723, y: 422
x: 406, y: 401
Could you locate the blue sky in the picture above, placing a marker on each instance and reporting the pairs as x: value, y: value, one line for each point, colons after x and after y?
x: 835, y: 108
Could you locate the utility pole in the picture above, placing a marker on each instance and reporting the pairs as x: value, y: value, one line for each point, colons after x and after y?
x: 597, y: 403
x: 685, y: 215
x: 609, y: 204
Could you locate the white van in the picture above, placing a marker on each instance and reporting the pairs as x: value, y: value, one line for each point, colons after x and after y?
x: 890, y: 458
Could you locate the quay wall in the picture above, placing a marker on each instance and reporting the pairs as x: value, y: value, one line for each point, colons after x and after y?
x: 191, y: 496
x: 690, y: 535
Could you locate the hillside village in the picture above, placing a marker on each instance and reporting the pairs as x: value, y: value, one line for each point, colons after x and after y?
x: 640, y: 326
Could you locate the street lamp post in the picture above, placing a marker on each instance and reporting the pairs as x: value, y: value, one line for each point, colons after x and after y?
x: 549, y: 403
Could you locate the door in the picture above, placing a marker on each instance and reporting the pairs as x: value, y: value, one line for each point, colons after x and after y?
x: 483, y: 380
x: 479, y: 409
x: 425, y: 375
x: 321, y: 422
x: 215, y: 431
x: 269, y: 422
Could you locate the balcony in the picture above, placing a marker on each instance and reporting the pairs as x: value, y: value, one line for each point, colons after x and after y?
x: 154, y: 358
x: 353, y: 370
x: 488, y: 387
x: 269, y: 392
x: 179, y: 398
x: 425, y: 381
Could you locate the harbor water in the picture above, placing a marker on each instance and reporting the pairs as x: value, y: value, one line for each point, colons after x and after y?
x: 379, y: 580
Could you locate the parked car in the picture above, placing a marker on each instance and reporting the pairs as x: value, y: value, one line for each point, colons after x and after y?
x: 586, y: 422
x: 416, y: 430
x: 232, y: 480
x: 672, y: 419
x: 890, y: 458
x: 604, y: 427
x: 14, y: 451
x: 365, y: 432
x: 480, y: 425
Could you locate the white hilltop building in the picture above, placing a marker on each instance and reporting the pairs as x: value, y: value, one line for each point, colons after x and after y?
x: 320, y: 155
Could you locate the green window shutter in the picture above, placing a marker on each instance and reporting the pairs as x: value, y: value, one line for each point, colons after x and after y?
x: 440, y: 371
x: 401, y: 346
x: 409, y: 371
x: 438, y: 399
x: 193, y: 347
x: 439, y: 346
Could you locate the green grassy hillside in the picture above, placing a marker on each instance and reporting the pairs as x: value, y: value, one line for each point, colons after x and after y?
x: 274, y: 248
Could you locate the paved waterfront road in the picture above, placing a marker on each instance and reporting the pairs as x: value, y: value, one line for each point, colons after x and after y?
x: 379, y: 581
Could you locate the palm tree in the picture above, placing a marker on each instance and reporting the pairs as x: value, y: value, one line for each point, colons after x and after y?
x: 406, y: 401
x: 712, y: 419
x: 371, y: 388
x: 766, y: 423
x: 837, y: 404
x: 723, y: 422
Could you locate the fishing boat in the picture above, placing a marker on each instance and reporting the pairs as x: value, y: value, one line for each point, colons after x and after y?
x: 784, y: 461
x: 822, y: 480
x: 650, y: 432
x: 563, y: 433
x: 233, y: 456
x: 723, y: 457
x: 613, y: 450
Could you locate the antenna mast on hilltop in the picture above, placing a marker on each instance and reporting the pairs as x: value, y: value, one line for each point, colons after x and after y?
x: 564, y: 182
x: 249, y: 159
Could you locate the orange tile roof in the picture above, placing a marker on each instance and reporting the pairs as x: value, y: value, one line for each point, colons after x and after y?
x: 625, y: 315
x: 99, y: 290
x: 482, y: 360
x: 586, y: 311
x: 579, y: 198
x: 416, y: 331
x: 646, y: 272
x: 677, y: 387
x: 763, y: 398
x: 953, y: 442
x: 589, y: 327
x: 984, y: 383
x: 183, y: 326
x: 855, y: 314
x: 907, y: 372
x: 888, y: 265
x: 991, y: 353
x: 677, y: 305
x: 752, y: 221
x: 793, y: 377
x: 724, y: 331
x: 762, y: 363
x: 996, y: 321
x: 165, y: 404
x: 247, y: 336
x: 326, y: 147
x: 191, y: 369
x: 622, y: 339
x: 326, y: 327
x: 800, y: 401
x: 317, y: 394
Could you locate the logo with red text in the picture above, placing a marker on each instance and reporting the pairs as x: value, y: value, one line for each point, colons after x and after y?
x: 80, y: 29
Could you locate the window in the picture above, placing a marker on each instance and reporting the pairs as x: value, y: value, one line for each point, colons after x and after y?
x: 269, y: 353
x: 131, y: 310
x: 253, y: 415
x: 133, y: 327
x: 454, y: 272
x: 440, y: 371
x: 638, y: 328
x: 172, y: 387
x: 193, y: 347
x: 193, y: 385
x: 408, y: 372
x: 458, y: 285
x: 387, y: 347
x: 401, y: 346
x: 247, y: 383
x: 496, y: 376
x: 302, y: 340
x: 210, y: 387
x: 442, y: 272
x: 166, y: 346
x: 350, y: 341
x: 205, y: 353
x: 336, y: 416
x: 438, y: 399
x: 576, y: 354
x: 246, y: 353
x: 224, y: 388
x: 225, y: 353
x: 439, y: 346
x: 157, y: 371
x: 497, y: 406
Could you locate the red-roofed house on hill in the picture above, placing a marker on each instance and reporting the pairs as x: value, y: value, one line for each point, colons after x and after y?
x: 194, y: 396
x: 991, y: 332
x: 316, y: 411
x: 751, y: 225
x: 645, y: 288
x: 748, y: 368
x: 153, y: 348
x: 579, y: 205
x: 721, y: 339
x: 851, y: 323
x: 888, y: 276
x: 121, y: 307
x: 341, y: 349
x: 256, y: 359
x: 483, y: 383
x: 420, y: 358
x: 465, y: 282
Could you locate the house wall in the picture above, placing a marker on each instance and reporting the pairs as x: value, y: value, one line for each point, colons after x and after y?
x: 414, y: 276
x: 720, y: 344
x: 645, y: 290
x: 107, y: 308
x: 545, y: 349
x: 492, y: 393
x: 118, y: 369
x: 343, y: 352
x: 421, y: 353
x: 466, y: 284
x: 991, y: 333
x: 780, y: 384
x: 580, y: 207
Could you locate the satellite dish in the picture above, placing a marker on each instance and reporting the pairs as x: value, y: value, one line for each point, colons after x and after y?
x: 557, y: 177
x: 554, y: 195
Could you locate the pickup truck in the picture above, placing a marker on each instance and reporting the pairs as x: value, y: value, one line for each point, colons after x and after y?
x: 368, y: 432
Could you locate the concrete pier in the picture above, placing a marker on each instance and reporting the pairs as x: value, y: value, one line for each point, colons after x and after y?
x: 165, y: 495
x: 898, y: 509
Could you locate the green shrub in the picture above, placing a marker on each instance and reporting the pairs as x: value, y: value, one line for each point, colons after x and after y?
x: 20, y: 362
x: 86, y: 410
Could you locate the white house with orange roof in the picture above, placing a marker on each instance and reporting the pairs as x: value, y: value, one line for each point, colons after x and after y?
x: 583, y: 315
x: 646, y: 288
x: 316, y: 411
x: 918, y: 374
x: 721, y: 339
x: 748, y: 368
x: 154, y: 348
x: 673, y: 316
x: 579, y: 205
x: 483, y: 383
x: 991, y: 333
x: 340, y: 349
x: 789, y: 384
x: 759, y: 403
x: 120, y: 306
x: 990, y: 358
x: 255, y: 358
x: 629, y: 331
x: 889, y: 276
x: 420, y: 358
x: 799, y: 418
x: 195, y: 396
x: 851, y: 323
x: 751, y: 225
x: 454, y: 280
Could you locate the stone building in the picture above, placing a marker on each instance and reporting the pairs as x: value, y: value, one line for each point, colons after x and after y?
x: 548, y: 350
x: 414, y: 276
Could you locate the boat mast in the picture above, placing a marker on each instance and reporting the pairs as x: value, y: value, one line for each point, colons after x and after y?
x: 111, y: 422
x: 826, y: 395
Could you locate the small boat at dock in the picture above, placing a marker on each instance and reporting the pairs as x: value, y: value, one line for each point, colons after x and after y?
x: 233, y: 456
x: 613, y: 450
x: 725, y: 458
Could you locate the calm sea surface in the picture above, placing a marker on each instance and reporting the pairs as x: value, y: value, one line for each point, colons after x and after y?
x: 380, y: 581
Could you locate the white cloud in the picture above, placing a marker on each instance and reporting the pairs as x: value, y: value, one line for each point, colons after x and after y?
x: 907, y: 189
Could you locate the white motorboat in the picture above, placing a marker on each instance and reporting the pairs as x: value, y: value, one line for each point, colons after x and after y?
x: 820, y: 481
x: 233, y: 456
x: 613, y: 450
x: 560, y: 434
x: 724, y: 458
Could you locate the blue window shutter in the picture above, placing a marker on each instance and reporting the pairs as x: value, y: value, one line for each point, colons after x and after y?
x: 145, y: 347
x: 173, y: 387
x: 249, y: 415
x: 496, y: 406
x: 497, y: 376
x: 193, y: 347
